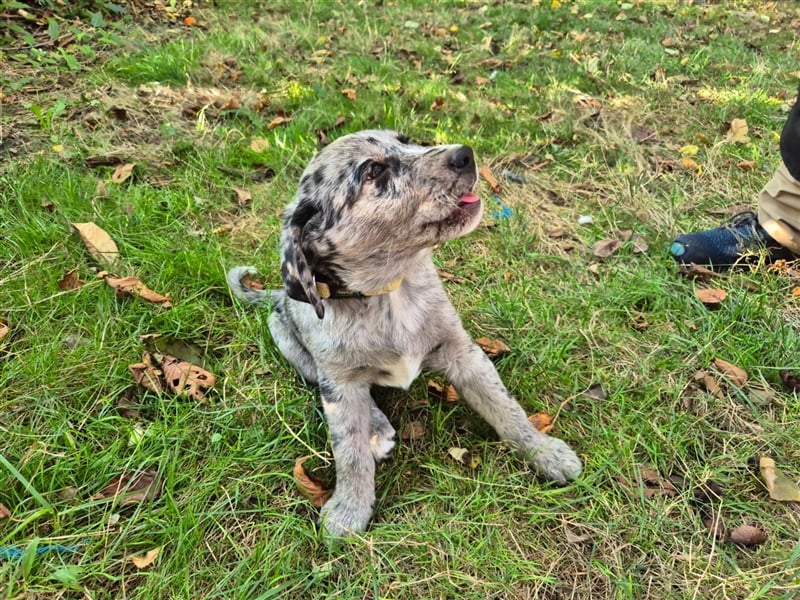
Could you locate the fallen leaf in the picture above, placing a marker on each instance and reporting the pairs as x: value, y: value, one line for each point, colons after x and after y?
x: 4, y: 512
x: 132, y: 489
x: 700, y: 272
x: 250, y: 282
x: 605, y: 248
x: 99, y: 244
x: 258, y: 145
x: 450, y: 276
x: 691, y: 165
x: 736, y: 375
x: 185, y: 379
x: 413, y: 430
x: 654, y: 485
x: 122, y: 172
x: 689, y: 150
x: 4, y: 329
x: 486, y: 173
x: 711, y: 297
x: 70, y: 281
x: 143, y: 561
x: 242, y: 196
x: 349, y: 93
x: 147, y: 374
x: 639, y: 244
x: 791, y: 381
x: 747, y: 535
x: 101, y: 190
x: 710, y: 384
x: 190, y: 22
x: 465, y: 457
x: 779, y: 486
x: 277, y: 121
x: 542, y: 421
x: 746, y: 165
x: 133, y: 286
x: 737, y: 133
x: 309, y: 486
x: 450, y: 394
x: 493, y: 348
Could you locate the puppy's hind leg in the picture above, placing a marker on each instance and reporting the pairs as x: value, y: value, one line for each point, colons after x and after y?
x: 292, y: 348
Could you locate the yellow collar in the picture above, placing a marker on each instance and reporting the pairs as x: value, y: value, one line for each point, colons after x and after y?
x: 326, y: 291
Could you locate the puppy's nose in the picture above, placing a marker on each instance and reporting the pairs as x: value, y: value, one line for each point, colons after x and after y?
x: 462, y: 159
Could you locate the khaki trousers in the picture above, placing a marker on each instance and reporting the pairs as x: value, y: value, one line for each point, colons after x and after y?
x: 779, y: 209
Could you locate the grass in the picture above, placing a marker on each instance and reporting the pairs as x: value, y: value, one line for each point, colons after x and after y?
x: 553, y: 93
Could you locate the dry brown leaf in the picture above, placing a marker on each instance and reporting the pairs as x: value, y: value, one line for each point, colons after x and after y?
x: 145, y: 560
x: 747, y: 535
x: 4, y: 512
x: 542, y: 421
x: 147, y: 374
x: 450, y: 394
x: 493, y: 348
x: 277, y: 121
x: 258, y: 145
x: 70, y: 281
x: 242, y: 196
x: 97, y: 242
x: 413, y: 430
x: 746, y: 165
x: 690, y: 164
x: 639, y: 244
x: 605, y: 248
x: 133, y: 286
x: 711, y: 297
x: 122, y: 172
x: 185, y: 379
x: 738, y: 132
x: 486, y: 173
x: 710, y: 383
x: 349, y: 93
x: 736, y: 375
x: 250, y: 282
x: 779, y: 486
x: 595, y: 391
x: 132, y: 489
x: 309, y: 486
x: 4, y: 330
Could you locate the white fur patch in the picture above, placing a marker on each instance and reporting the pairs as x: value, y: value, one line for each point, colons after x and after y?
x: 402, y: 372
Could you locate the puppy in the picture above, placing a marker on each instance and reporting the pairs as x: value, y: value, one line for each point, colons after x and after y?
x: 362, y: 304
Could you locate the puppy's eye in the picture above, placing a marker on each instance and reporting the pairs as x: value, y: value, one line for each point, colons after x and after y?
x: 375, y: 170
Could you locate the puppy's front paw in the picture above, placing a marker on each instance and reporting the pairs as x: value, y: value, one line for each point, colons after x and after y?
x: 341, y: 519
x: 556, y: 461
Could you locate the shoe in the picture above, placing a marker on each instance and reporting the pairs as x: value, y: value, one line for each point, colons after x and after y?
x: 740, y: 241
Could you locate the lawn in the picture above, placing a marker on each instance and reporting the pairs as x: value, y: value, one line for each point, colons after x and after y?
x: 609, y: 127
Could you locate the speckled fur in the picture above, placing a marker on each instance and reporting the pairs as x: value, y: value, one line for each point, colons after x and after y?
x: 369, y: 209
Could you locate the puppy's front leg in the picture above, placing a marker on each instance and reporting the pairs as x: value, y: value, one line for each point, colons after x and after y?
x: 348, y: 412
x: 476, y: 380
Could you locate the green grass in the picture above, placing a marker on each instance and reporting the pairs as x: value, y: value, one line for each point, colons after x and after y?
x: 229, y: 522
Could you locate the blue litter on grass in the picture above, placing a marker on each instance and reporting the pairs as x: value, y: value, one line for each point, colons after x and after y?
x: 15, y: 553
x: 505, y: 212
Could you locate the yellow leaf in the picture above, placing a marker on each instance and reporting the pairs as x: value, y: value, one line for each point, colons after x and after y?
x: 453, y: 28
x: 58, y: 148
x: 691, y: 164
x: 142, y: 562
x: 689, y: 150
x: 555, y: 4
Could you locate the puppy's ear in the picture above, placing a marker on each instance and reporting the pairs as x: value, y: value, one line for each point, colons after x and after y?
x: 298, y: 280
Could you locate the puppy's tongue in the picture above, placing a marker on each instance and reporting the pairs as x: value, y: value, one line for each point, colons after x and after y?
x: 468, y: 198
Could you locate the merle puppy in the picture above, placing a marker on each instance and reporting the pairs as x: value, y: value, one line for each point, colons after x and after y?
x: 362, y: 304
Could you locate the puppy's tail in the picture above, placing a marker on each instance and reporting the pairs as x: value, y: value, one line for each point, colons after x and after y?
x: 246, y: 294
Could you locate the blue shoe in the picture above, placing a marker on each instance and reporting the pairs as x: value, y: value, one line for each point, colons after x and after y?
x: 740, y: 241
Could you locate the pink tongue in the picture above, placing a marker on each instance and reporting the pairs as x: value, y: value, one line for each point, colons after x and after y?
x: 469, y: 198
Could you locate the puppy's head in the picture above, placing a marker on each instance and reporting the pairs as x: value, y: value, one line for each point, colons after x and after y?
x: 367, y: 204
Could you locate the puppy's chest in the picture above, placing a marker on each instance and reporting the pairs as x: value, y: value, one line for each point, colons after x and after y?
x: 399, y: 373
